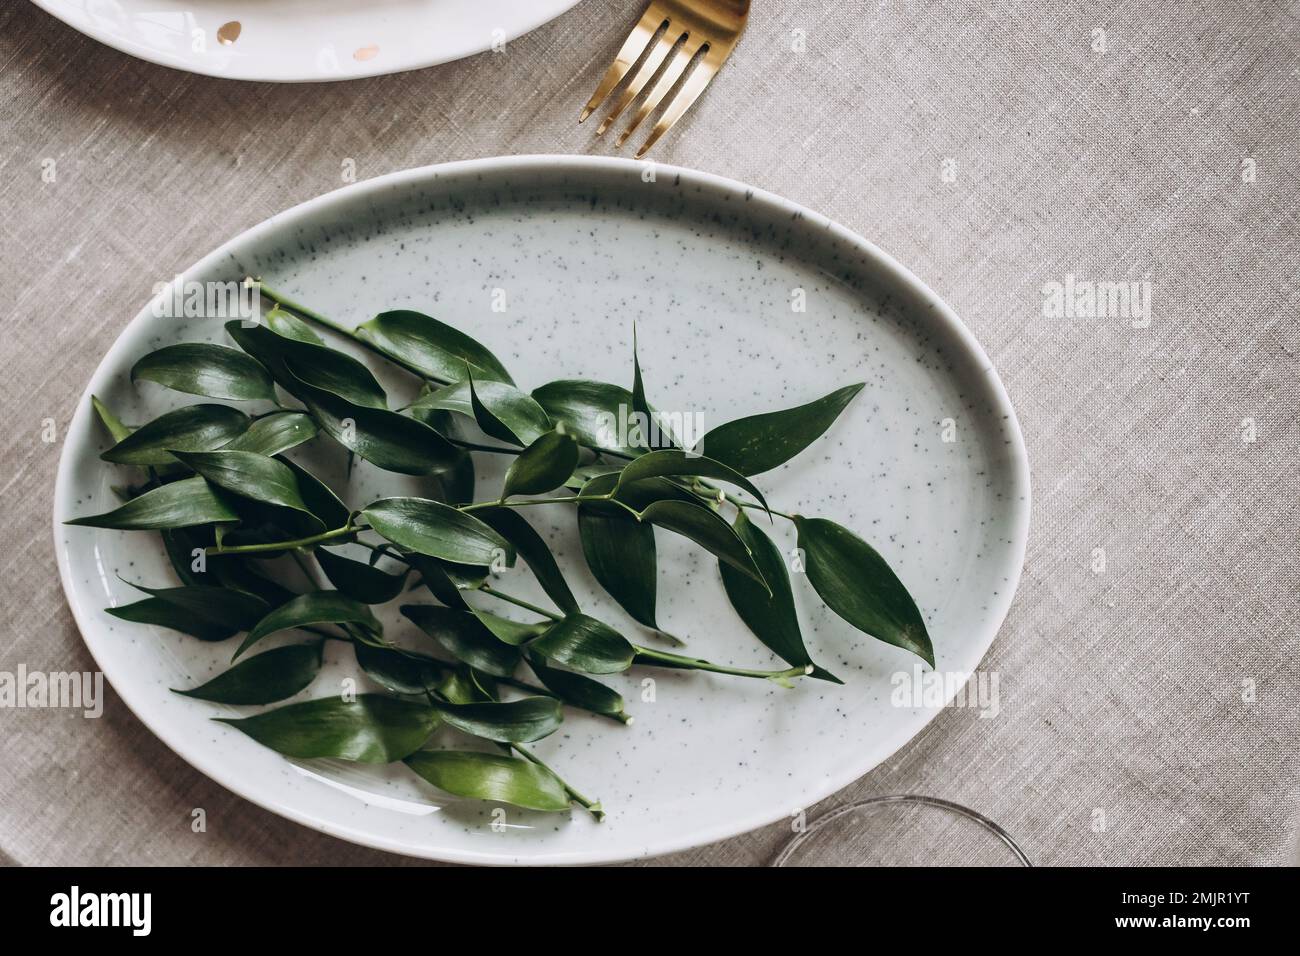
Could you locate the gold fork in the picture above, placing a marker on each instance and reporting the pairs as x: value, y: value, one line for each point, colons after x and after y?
x: 703, y: 31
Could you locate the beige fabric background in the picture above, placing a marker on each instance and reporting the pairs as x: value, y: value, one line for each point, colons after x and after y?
x: 1123, y: 735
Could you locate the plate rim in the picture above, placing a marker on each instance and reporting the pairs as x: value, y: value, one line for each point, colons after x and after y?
x: 944, y: 318
x: 358, y: 70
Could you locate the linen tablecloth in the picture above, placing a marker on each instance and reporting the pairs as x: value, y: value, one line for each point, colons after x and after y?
x: 1008, y: 153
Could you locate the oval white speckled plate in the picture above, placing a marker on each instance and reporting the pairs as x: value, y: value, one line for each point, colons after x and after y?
x: 579, y: 248
x: 303, y: 41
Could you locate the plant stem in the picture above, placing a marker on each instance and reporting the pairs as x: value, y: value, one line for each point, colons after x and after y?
x: 289, y: 545
x: 565, y: 499
x: 710, y: 491
x: 280, y: 299
x: 284, y: 301
x: 592, y: 806
x: 520, y: 602
x: 749, y: 504
x: 650, y: 656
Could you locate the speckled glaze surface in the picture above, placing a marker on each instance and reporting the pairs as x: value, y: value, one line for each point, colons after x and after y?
x: 292, y: 41
x: 579, y: 249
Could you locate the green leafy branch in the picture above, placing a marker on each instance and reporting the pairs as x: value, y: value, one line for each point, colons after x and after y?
x: 221, y: 488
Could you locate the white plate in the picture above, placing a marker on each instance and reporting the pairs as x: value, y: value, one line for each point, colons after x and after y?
x: 303, y: 41
x: 579, y: 248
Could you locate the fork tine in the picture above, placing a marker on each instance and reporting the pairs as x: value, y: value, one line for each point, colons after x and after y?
x: 633, y: 46
x: 667, y: 81
x: 643, y: 76
x: 700, y: 77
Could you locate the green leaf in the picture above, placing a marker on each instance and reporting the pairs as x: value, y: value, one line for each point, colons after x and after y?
x: 181, y: 544
x: 516, y: 721
x: 585, y: 644
x: 858, y: 585
x: 274, y: 433
x: 433, y: 348
x: 264, y: 678
x: 243, y: 574
x: 641, y: 494
x: 465, y: 637
x: 112, y: 424
x: 772, y: 617
x: 530, y: 546
x: 672, y: 463
x: 507, y: 414
x: 237, y: 609
x: 248, y: 475
x: 195, y: 428
x: 652, y: 657
x: 319, y: 497
x: 427, y: 407
x: 760, y: 443
x: 620, y: 551
x: 181, y: 504
x: 162, y: 614
x: 437, y: 578
x: 399, y: 670
x: 264, y: 522
x: 203, y: 369
x: 359, y: 580
x: 438, y: 530
x: 289, y: 326
x: 457, y: 482
x: 370, y: 729
x: 591, y: 413
x: 315, y: 607
x: 294, y: 364
x: 445, y: 400
x: 498, y: 408
x: 543, y: 466
x: 580, y: 691
x: 654, y: 436
x: 707, y: 529
x: 466, y: 577
x: 586, y: 472
x: 511, y: 632
x: 203, y: 611
x: 482, y: 776
x: 465, y: 685
x: 386, y: 439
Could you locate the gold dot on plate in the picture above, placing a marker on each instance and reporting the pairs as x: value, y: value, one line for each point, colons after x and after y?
x: 366, y: 52
x: 228, y: 33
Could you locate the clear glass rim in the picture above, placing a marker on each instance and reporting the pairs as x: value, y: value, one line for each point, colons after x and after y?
x: 787, y: 851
